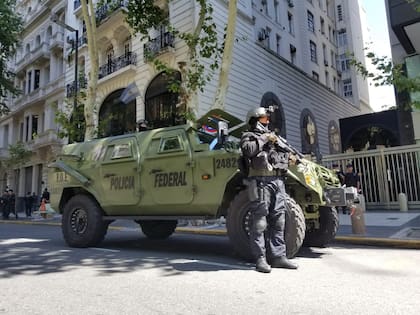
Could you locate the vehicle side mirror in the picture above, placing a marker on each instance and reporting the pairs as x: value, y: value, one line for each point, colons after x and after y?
x: 222, y: 131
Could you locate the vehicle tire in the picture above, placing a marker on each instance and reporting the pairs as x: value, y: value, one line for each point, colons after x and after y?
x: 328, y: 226
x: 82, y: 223
x: 158, y: 229
x: 238, y: 223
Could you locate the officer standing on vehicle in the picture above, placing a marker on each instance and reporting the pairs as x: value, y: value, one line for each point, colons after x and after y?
x: 268, y: 164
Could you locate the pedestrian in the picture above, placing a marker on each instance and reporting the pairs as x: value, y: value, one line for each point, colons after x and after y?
x: 339, y: 172
x: 46, y: 195
x: 268, y: 164
x: 28, y: 204
x: 35, y: 203
x: 4, y: 206
x: 351, y: 179
x: 12, y: 203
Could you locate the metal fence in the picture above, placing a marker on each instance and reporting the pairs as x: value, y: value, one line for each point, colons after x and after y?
x: 384, y: 174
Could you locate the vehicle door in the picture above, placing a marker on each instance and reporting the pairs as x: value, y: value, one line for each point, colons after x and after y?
x: 166, y: 169
x: 119, y: 172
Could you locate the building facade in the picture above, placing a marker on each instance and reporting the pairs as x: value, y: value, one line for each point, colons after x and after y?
x: 287, y: 55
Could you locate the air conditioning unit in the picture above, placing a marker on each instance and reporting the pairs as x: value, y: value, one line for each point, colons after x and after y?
x: 262, y: 34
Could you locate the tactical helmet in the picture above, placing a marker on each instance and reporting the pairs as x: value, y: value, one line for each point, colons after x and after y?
x: 256, y: 113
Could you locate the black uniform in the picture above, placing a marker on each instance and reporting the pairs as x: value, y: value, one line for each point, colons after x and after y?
x: 267, y: 167
x: 4, y: 207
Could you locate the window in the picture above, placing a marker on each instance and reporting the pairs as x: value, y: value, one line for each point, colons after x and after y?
x: 332, y: 58
x: 278, y: 38
x: 322, y: 26
x: 327, y: 79
x: 334, y: 84
x: 312, y: 46
x: 276, y: 11
x: 29, y: 75
x: 311, y: 24
x: 264, y: 6
x: 292, y: 54
x: 290, y: 21
x: 324, y: 54
x: 170, y: 144
x: 347, y: 88
x: 120, y: 151
x: 344, y: 62
x: 36, y: 79
x: 34, y: 131
x: 6, y: 136
x: 315, y: 75
x: 342, y: 38
x: 340, y: 12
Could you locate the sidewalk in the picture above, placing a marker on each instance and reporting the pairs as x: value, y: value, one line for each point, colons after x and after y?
x: 383, y: 228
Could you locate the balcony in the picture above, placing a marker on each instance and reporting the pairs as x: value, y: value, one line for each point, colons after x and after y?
x: 54, y: 87
x: 57, y: 41
x: 38, y: 55
x: 46, y: 138
x: 107, y: 9
x: 116, y: 64
x: 39, y: 13
x: 71, y: 89
x: 159, y: 45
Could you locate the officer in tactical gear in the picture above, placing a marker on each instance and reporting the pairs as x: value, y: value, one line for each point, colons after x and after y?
x: 268, y: 163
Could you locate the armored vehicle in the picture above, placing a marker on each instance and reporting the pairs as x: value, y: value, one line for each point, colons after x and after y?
x: 160, y: 176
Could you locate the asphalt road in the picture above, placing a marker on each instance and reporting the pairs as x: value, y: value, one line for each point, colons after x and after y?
x: 195, y: 274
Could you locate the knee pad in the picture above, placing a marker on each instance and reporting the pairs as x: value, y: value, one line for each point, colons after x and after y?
x: 260, y: 224
x: 280, y: 222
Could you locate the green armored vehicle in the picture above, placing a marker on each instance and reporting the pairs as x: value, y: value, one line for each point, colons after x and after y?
x: 160, y: 176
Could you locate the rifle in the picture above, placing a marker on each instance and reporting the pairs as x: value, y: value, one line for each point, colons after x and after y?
x: 285, y: 146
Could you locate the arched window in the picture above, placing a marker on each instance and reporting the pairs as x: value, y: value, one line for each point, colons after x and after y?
x: 110, y: 59
x: 309, y: 134
x: 277, y: 119
x: 38, y: 41
x: 161, y: 104
x: 48, y: 35
x: 116, y: 117
x: 334, y: 137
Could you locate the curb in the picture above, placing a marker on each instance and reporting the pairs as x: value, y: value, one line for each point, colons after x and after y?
x: 356, y: 240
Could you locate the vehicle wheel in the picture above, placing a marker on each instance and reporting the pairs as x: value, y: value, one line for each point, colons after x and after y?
x: 238, y: 224
x: 158, y: 229
x: 82, y: 223
x: 328, y: 225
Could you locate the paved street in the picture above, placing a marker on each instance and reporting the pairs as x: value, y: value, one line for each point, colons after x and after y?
x: 195, y: 274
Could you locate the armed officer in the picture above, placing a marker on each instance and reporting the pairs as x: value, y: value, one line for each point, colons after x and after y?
x: 268, y: 164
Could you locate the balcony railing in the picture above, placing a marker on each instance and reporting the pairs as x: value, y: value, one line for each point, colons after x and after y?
x: 105, y: 10
x: 158, y: 45
x: 71, y: 88
x: 116, y: 64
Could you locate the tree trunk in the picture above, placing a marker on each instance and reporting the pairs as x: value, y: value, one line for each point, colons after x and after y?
x: 223, y: 83
x: 90, y: 107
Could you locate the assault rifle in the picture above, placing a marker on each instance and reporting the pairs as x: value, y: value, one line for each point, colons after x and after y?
x: 285, y: 146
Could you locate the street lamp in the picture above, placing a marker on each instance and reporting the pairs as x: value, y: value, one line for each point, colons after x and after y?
x: 54, y: 18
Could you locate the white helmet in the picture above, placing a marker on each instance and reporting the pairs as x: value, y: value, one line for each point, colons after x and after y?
x: 256, y: 113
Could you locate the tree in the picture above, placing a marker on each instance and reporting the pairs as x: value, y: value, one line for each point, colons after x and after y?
x: 90, y: 106
x: 203, y: 47
x: 388, y: 73
x: 10, y: 28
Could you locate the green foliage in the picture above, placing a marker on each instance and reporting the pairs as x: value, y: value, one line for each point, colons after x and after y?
x: 143, y: 15
x: 10, y: 28
x: 388, y: 74
x: 18, y: 156
x: 72, y: 125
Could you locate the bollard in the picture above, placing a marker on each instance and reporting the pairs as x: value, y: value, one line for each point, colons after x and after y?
x: 402, y: 200
x: 357, y: 215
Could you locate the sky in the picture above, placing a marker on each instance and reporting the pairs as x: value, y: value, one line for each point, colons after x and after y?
x: 378, y: 26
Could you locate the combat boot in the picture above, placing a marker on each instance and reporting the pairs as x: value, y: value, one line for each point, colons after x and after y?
x: 262, y: 265
x: 283, y: 262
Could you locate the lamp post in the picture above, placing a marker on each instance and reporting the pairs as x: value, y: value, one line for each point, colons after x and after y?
x: 55, y: 19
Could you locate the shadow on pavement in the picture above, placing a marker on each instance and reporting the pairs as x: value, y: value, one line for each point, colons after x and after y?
x: 175, y: 256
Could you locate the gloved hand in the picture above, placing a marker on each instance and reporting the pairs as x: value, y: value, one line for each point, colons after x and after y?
x: 271, y: 137
x: 293, y: 159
